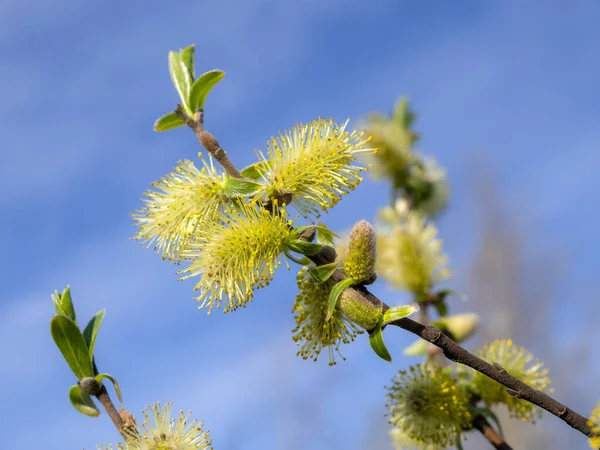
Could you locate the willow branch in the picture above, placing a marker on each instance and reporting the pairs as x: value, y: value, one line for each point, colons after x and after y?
x: 207, y: 140
x: 458, y: 354
x: 114, y: 415
x: 451, y: 349
x: 488, y: 432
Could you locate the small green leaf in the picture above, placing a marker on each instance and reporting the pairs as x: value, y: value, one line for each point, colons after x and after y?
x: 322, y: 273
x: 234, y: 187
x: 83, y: 402
x: 202, y: 86
x: 71, y: 344
x: 182, y: 79
x: 377, y: 344
x: 64, y: 304
x: 335, y: 293
x: 91, y: 331
x: 441, y: 307
x: 168, y: 122
x: 303, y: 247
x: 399, y: 312
x: 102, y: 376
x: 187, y: 56
x: 300, y: 229
x: 325, y: 235
x: 256, y: 170
x: 446, y: 292
x: 304, y: 261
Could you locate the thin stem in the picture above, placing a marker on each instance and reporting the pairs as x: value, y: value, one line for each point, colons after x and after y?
x: 488, y: 432
x: 208, y: 141
x: 114, y: 415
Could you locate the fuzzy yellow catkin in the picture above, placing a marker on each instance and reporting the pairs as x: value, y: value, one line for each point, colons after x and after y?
x: 428, y: 405
x: 362, y: 253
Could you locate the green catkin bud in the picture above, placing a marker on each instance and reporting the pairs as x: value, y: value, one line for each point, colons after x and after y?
x: 362, y: 253
x: 359, y: 310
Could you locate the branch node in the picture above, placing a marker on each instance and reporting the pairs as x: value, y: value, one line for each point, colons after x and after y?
x: 562, y: 410
x: 432, y: 334
x: 513, y: 392
x: 498, y: 367
x: 89, y: 385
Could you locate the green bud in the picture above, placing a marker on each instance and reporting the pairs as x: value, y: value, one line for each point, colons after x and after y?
x: 359, y: 310
x: 362, y: 244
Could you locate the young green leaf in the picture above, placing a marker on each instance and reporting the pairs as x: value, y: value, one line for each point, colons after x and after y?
x: 168, y: 122
x: 91, y: 331
x: 202, y: 86
x: 441, y: 307
x: 187, y: 56
x: 303, y: 261
x: 303, y: 247
x: 64, y: 304
x: 322, y: 273
x: 399, y: 312
x: 377, y: 344
x: 325, y: 235
x: 255, y: 171
x: 182, y: 79
x: 234, y: 187
x: 336, y: 290
x: 102, y: 376
x: 71, y: 344
x: 83, y: 402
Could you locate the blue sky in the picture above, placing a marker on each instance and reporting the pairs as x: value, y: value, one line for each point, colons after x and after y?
x: 512, y: 85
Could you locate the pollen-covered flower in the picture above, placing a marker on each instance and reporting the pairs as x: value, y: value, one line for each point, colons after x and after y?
x: 237, y: 255
x: 180, y: 203
x: 312, y: 332
x: 594, y: 424
x: 160, y: 432
x: 362, y: 250
x: 428, y: 406
x: 315, y: 163
x: 519, y: 363
x: 393, y: 139
x: 409, y: 255
x: 401, y: 441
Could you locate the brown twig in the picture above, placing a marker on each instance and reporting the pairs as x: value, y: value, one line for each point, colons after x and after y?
x: 208, y: 141
x: 456, y: 353
x: 114, y: 415
x: 488, y: 432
